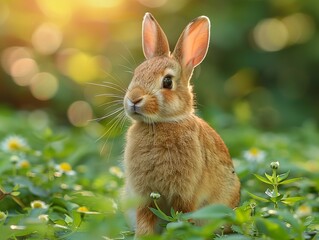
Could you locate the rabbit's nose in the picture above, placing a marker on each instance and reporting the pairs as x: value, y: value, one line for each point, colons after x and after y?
x: 133, y: 102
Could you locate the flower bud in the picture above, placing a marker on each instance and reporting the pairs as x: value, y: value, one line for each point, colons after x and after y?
x: 274, y: 165
x: 3, y: 216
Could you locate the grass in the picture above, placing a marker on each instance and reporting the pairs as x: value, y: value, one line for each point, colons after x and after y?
x: 55, y: 184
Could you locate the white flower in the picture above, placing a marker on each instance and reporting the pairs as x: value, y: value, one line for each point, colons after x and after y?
x: 43, y: 218
x: 39, y: 204
x: 24, y: 164
x: 14, y: 143
x: 65, y: 168
x: 255, y: 155
x: 85, y: 210
x: 155, y: 195
x: 303, y: 211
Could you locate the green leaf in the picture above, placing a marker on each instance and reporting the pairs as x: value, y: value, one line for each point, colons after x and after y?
x: 261, y: 178
x: 23, y: 181
x: 161, y: 215
x: 283, y: 176
x: 273, y: 228
x: 258, y: 198
x: 15, y: 194
x: 296, y: 225
x: 68, y: 219
x: 77, y: 219
x: 235, y: 237
x: 291, y: 200
x: 177, y: 225
x: 292, y: 180
x: 211, y: 212
x: 173, y: 213
x: 269, y: 177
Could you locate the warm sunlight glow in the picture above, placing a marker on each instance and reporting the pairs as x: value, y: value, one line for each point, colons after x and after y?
x: 58, y: 9
x: 153, y: 3
x: 82, y: 67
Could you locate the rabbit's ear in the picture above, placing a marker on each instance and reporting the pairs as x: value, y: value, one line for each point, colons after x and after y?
x: 154, y: 39
x: 192, y: 45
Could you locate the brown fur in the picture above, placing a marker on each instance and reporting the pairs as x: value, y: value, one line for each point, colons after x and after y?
x: 169, y: 149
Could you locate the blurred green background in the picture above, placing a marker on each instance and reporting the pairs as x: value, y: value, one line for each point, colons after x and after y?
x: 261, y: 68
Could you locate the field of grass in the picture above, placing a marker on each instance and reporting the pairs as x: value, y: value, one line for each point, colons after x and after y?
x: 56, y: 183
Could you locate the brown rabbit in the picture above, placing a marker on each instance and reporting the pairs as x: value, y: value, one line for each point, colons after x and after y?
x: 169, y: 149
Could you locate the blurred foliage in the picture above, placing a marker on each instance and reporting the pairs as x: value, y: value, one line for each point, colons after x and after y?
x: 261, y: 66
x: 63, y: 62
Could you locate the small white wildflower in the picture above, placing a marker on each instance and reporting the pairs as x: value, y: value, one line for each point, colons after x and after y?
x: 65, y: 168
x: 39, y: 204
x: 255, y: 155
x: 18, y: 227
x: 155, y: 195
x: 303, y: 211
x: 24, y: 164
x: 43, y: 218
x: 14, y: 143
x: 85, y: 210
x: 14, y: 159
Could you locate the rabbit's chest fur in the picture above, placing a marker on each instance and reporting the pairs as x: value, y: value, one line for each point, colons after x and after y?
x: 167, y: 158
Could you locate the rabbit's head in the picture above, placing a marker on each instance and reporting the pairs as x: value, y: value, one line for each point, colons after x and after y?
x: 160, y: 90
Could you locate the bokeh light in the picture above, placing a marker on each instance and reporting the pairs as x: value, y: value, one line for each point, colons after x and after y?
x: 44, y: 86
x: 22, y: 71
x: 271, y: 35
x: 301, y: 27
x: 11, y: 54
x: 80, y: 113
x: 82, y: 67
x: 47, y: 38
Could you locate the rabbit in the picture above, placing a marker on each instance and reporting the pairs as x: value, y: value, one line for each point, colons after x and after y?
x: 168, y: 148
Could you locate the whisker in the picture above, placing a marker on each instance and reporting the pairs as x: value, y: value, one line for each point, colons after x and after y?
x: 116, y: 87
x: 114, y: 77
x: 109, y: 115
x: 113, y: 123
x: 126, y: 67
x: 117, y: 105
x: 113, y: 103
x: 109, y: 95
x: 130, y: 54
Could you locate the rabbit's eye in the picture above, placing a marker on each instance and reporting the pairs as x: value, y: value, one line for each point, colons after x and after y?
x: 167, y: 82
